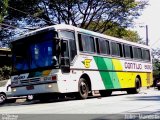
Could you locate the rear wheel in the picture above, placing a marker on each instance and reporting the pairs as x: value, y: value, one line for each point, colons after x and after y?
x: 105, y: 93
x: 2, y: 98
x: 136, y: 89
x: 83, y: 89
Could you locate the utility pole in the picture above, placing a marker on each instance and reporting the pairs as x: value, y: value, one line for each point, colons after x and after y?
x: 147, y: 35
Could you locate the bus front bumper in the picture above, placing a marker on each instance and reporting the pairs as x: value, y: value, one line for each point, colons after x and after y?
x: 35, y: 89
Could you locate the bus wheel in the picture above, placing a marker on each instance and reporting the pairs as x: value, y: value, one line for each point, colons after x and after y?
x: 105, y: 93
x: 83, y: 89
x: 136, y: 89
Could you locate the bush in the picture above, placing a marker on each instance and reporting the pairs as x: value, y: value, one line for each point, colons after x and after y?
x: 5, y: 72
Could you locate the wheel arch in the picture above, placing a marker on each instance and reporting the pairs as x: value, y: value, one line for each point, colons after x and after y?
x: 3, y: 93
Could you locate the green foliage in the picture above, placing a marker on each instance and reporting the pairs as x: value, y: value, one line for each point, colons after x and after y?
x: 116, y: 31
x: 5, y: 72
x: 81, y: 13
x: 3, y: 9
x: 156, y: 62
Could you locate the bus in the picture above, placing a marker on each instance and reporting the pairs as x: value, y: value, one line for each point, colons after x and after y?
x: 63, y: 59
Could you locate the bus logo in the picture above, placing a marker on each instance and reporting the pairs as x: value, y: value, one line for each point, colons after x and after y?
x: 86, y: 63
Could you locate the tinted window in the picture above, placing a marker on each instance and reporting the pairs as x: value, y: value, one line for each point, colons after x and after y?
x: 38, y: 51
x: 102, y: 46
x: 116, y: 49
x: 86, y: 43
x: 137, y: 52
x: 73, y: 50
x: 70, y: 36
x: 128, y: 51
x: 146, y: 55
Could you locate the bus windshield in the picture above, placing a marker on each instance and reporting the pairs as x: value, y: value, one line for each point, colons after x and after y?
x: 34, y: 52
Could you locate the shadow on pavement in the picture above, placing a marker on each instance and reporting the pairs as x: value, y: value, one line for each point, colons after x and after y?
x: 24, y: 102
x: 146, y: 98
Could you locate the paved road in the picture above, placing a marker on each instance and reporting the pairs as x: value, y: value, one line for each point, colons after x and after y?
x: 146, y: 102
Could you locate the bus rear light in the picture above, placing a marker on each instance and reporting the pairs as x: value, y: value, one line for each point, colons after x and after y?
x: 54, y: 78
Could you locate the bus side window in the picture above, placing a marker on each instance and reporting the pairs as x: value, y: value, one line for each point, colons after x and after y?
x: 116, y: 49
x: 128, y: 51
x: 86, y: 43
x: 137, y: 53
x: 71, y: 37
x: 146, y: 55
x: 102, y: 46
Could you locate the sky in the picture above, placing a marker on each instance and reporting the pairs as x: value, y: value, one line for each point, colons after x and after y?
x: 150, y: 17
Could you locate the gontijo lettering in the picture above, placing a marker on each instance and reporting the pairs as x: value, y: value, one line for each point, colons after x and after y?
x: 133, y: 65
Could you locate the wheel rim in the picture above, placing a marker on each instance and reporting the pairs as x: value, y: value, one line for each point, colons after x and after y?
x: 83, y: 88
x: 30, y: 97
x: 2, y: 98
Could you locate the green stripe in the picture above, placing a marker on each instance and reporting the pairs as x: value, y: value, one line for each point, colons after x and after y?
x: 107, y: 77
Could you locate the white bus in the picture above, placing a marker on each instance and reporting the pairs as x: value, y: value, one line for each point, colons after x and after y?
x: 65, y: 59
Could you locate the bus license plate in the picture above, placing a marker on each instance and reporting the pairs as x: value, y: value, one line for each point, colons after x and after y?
x: 31, y: 87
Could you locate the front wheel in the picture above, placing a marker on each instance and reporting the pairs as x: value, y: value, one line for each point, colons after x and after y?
x: 2, y: 98
x: 83, y: 89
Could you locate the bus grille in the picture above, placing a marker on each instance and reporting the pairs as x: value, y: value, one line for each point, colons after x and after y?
x: 30, y: 81
x: 24, y: 81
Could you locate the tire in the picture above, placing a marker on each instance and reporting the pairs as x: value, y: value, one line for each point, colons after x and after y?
x: 105, y: 93
x: 83, y: 89
x: 2, y: 98
x: 136, y: 89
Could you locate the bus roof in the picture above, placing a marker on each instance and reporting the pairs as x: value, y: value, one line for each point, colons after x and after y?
x: 70, y: 27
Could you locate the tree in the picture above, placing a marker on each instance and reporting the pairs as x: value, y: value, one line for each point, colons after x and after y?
x: 78, y: 12
x: 156, y: 61
x: 107, y: 15
x: 3, y: 9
